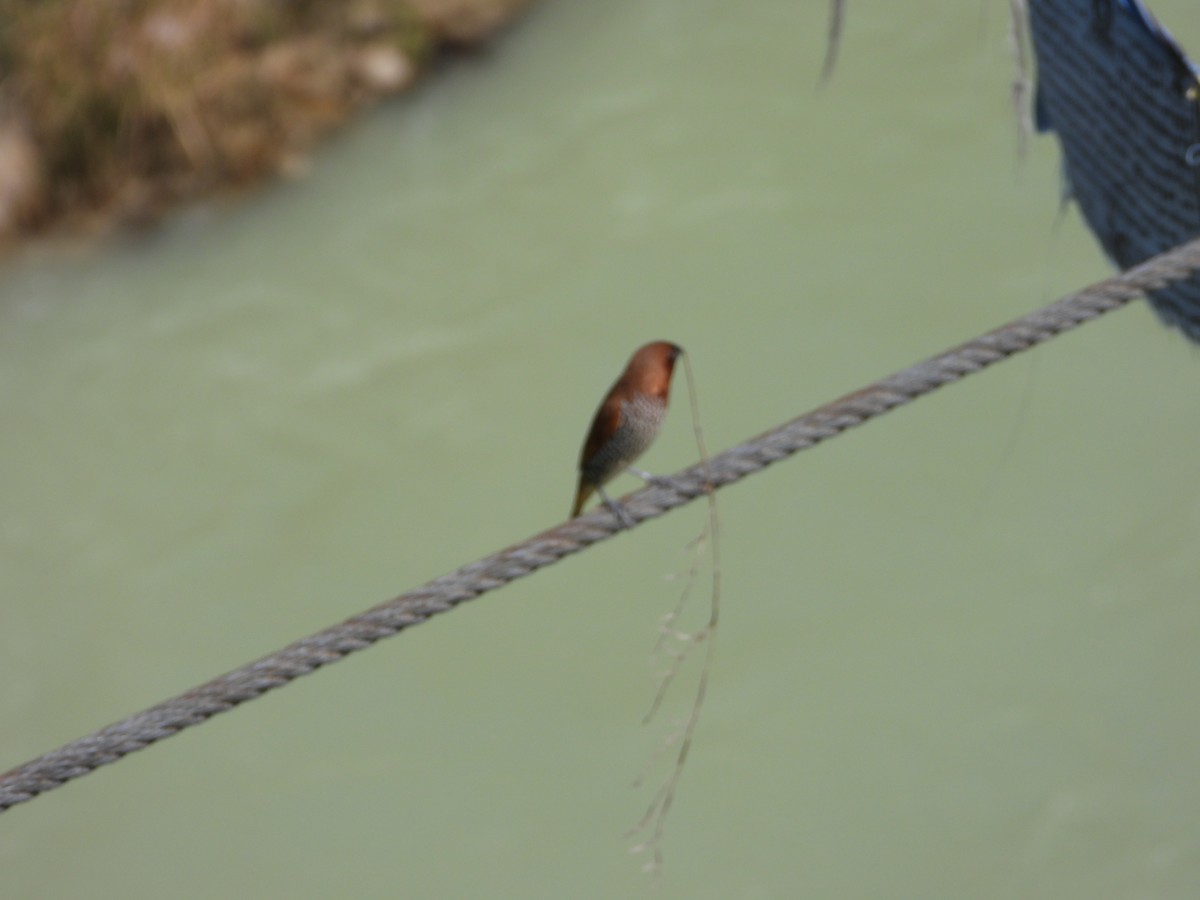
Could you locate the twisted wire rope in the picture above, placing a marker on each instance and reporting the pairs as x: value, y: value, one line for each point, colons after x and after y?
x: 142, y: 729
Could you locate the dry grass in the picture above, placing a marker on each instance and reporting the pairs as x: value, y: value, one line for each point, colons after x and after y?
x: 116, y: 111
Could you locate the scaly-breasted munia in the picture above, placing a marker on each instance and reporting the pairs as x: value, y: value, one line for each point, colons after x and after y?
x: 627, y: 422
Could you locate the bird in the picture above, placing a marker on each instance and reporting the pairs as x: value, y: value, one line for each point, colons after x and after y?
x: 626, y: 424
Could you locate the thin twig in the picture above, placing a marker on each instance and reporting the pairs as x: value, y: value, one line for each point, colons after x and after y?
x: 833, y: 38
x: 664, y: 797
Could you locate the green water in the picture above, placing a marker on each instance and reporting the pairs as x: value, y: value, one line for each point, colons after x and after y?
x: 958, y: 649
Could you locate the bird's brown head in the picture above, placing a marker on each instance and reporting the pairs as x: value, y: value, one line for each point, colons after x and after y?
x: 651, y: 367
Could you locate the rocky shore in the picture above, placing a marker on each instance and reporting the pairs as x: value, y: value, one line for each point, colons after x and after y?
x: 115, y: 112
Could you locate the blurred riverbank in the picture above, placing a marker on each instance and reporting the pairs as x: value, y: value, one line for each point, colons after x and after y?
x: 116, y: 113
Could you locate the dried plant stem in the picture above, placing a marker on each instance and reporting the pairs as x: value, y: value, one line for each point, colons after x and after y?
x: 655, y: 817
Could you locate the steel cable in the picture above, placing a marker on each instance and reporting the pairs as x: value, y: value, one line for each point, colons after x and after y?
x: 109, y: 744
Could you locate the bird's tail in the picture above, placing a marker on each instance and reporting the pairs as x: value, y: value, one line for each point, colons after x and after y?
x: 581, y: 497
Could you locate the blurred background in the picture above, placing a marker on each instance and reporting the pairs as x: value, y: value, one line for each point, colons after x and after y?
x: 957, y: 655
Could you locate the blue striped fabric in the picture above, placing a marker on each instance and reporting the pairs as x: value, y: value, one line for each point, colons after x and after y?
x: 1124, y: 101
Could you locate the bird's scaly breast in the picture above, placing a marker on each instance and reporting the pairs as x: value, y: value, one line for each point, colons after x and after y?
x: 641, y: 419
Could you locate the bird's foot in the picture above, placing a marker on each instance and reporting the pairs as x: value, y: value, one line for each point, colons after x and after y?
x: 617, y: 510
